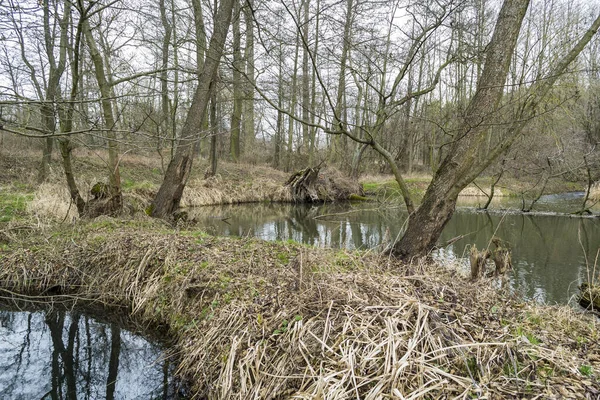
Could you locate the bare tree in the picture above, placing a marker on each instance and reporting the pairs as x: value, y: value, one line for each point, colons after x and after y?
x: 169, y: 194
x: 461, y: 165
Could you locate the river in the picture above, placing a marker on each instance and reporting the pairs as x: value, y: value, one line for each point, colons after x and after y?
x: 552, y: 252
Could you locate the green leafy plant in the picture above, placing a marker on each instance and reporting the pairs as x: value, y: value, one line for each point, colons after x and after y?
x: 586, y: 370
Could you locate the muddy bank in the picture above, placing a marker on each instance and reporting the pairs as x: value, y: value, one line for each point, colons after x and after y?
x: 253, y: 319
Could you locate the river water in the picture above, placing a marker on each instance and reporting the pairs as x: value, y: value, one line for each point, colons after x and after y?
x: 552, y: 253
x: 65, y: 355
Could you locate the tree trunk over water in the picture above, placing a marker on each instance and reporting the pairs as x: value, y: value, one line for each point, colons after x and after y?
x: 461, y: 166
x: 427, y: 223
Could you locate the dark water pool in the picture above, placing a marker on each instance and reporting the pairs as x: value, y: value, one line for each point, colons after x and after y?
x: 68, y: 355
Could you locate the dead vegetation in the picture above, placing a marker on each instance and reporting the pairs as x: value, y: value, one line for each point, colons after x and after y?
x: 141, y: 177
x: 255, y: 319
x: 595, y: 192
x: 318, y: 184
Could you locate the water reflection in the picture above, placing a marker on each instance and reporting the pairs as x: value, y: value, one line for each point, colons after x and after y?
x: 59, y: 355
x: 549, y: 251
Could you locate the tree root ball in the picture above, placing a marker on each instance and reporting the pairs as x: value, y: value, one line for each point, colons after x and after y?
x: 317, y: 184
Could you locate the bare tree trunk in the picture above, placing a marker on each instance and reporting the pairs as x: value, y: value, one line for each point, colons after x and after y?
x: 279, y: 128
x: 214, y: 131
x: 460, y: 166
x: 236, y: 115
x: 340, y: 102
x: 200, y: 53
x: 55, y: 73
x: 313, y: 95
x: 292, y: 109
x: 305, y: 78
x: 109, y: 119
x: 164, y: 75
x: 249, y: 131
x: 169, y: 195
x: 66, y: 116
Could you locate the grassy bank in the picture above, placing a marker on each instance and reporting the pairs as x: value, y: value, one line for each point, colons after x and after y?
x: 385, y: 187
x: 141, y: 176
x: 254, y: 319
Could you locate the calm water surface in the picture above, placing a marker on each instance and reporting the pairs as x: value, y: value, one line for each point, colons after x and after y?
x: 60, y: 355
x: 552, y: 254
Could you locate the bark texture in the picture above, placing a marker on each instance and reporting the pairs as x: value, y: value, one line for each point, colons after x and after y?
x: 169, y: 195
x: 462, y: 164
x: 426, y: 224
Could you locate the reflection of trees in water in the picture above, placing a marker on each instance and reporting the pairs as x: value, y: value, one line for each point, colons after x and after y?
x: 64, y: 355
x: 113, y: 364
x: 546, y: 251
x: 69, y: 356
x: 302, y: 220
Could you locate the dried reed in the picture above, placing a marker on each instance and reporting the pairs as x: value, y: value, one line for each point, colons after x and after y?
x: 265, y: 320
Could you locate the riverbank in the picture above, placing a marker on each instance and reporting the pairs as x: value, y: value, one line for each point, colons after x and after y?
x: 385, y: 187
x: 254, y: 319
x: 21, y: 195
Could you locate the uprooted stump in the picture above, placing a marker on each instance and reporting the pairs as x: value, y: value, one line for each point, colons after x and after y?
x: 105, y: 201
x: 501, y: 256
x: 312, y: 185
x: 589, y: 296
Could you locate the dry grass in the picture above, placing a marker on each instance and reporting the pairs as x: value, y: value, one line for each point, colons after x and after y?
x: 217, y: 190
x: 271, y: 320
x: 595, y: 192
x: 475, y: 191
x: 141, y: 177
x: 51, y: 201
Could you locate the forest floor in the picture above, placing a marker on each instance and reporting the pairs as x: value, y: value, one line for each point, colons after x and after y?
x: 256, y: 319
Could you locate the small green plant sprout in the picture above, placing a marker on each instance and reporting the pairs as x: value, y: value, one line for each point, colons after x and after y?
x: 283, y: 328
x: 530, y: 337
x: 586, y: 370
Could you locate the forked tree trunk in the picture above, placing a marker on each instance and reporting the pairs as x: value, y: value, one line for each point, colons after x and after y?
x: 169, y: 195
x: 426, y: 224
x: 461, y: 166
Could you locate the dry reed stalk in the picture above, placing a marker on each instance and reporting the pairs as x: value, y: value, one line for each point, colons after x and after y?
x: 366, y: 328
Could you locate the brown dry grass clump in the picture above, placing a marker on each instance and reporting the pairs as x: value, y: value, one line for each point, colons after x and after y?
x: 476, y: 191
x: 257, y: 319
x: 595, y: 192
